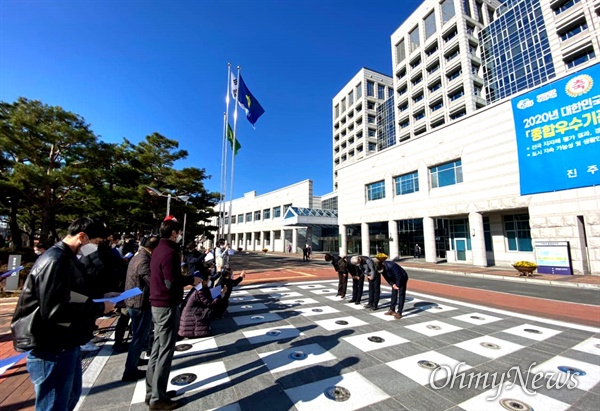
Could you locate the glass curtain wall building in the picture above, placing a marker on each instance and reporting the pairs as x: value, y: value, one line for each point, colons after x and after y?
x: 386, y: 129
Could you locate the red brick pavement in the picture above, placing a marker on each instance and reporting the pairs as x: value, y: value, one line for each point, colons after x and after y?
x: 16, y: 390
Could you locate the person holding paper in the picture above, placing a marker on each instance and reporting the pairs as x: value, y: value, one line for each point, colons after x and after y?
x: 166, y: 293
x: 200, y: 309
x: 138, y: 308
x: 227, y: 282
x: 53, y: 318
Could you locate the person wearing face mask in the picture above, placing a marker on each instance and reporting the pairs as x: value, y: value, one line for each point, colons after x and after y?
x: 166, y: 292
x: 39, y: 249
x: 53, y: 316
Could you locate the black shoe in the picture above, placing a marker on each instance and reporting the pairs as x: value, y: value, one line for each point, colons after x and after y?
x: 165, y: 405
x: 170, y: 394
x: 357, y: 303
x: 142, y: 362
x: 373, y: 309
x: 352, y: 301
x: 368, y: 306
x: 134, y: 376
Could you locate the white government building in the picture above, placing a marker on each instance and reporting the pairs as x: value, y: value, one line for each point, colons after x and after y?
x: 486, y: 154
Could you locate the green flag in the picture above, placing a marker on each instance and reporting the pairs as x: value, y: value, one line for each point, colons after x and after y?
x: 230, y: 139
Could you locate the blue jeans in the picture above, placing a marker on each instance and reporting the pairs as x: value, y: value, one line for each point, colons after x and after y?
x: 141, y: 320
x: 57, y: 379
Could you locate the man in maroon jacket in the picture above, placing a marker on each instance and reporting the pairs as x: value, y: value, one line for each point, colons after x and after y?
x: 166, y: 293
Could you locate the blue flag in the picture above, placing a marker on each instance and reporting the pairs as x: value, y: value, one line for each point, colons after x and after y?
x: 246, y: 100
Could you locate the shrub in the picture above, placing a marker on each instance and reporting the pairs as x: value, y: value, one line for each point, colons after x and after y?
x: 528, y: 264
x: 264, y: 250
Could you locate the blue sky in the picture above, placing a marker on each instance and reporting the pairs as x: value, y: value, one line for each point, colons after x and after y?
x: 131, y: 68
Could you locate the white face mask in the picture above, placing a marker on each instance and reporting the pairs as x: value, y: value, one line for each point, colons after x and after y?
x: 37, y: 252
x: 179, y: 238
x: 87, y: 249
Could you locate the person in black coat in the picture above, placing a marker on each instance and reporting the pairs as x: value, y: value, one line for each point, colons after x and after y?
x: 228, y: 282
x: 200, y: 310
x: 365, y: 269
x: 340, y: 265
x: 397, y: 278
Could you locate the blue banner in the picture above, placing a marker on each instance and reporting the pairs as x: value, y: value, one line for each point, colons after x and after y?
x: 558, y: 133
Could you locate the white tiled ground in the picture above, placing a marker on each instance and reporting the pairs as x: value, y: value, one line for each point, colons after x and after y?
x: 278, y: 361
x: 538, y: 334
x: 585, y: 382
x: 199, y: 345
x: 477, y: 318
x: 487, y: 401
x: 410, y: 367
x: 590, y: 346
x: 362, y: 341
x: 430, y: 328
x: 320, y: 310
x: 332, y: 324
x: 311, y: 397
x: 474, y: 345
x: 272, y: 334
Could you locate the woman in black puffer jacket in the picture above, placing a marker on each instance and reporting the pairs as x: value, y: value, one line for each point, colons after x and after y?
x: 199, y: 310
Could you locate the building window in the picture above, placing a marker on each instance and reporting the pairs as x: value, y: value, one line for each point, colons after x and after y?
x: 285, y: 208
x: 436, y: 86
x: 414, y: 39
x: 226, y: 220
x: 430, y: 25
x: 573, y: 30
x: 565, y: 6
x: 359, y: 91
x: 241, y: 218
x: 266, y: 213
x: 381, y: 92
x: 390, y: 92
x: 256, y: 215
x: 232, y: 219
x: 406, y: 184
x: 580, y: 58
x: 400, y: 52
x: 351, y: 98
x: 375, y: 191
x: 248, y: 217
x: 370, y: 89
x: 454, y: 75
x: 446, y: 174
x: 343, y: 105
x: 370, y: 119
x: 518, y: 233
x: 456, y: 95
x: 372, y: 132
x: 447, y: 10
x: 466, y: 8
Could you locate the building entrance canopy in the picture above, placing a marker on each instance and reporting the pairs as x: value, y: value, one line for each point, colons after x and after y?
x: 310, y: 217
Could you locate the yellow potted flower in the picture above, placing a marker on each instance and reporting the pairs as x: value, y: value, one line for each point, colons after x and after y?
x: 264, y: 250
x: 525, y: 267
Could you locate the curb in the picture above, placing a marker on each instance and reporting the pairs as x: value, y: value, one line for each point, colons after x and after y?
x: 510, y: 278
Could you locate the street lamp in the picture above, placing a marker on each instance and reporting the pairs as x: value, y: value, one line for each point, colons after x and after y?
x: 185, y: 198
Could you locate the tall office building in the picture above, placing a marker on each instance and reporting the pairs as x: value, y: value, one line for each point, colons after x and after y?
x: 355, y: 117
x: 534, y: 41
x: 436, y: 64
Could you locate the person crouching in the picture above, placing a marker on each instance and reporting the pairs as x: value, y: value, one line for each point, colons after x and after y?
x: 200, y: 310
x: 228, y: 282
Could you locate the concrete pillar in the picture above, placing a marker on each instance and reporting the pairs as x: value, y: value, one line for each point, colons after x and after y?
x: 262, y: 239
x: 364, y: 239
x: 343, y: 241
x: 253, y: 241
x: 394, y: 245
x: 477, y: 239
x: 244, y: 239
x: 294, y: 240
x: 272, y: 240
x: 282, y: 236
x: 429, y: 235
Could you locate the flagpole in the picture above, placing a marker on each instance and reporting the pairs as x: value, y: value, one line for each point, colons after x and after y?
x: 235, y: 116
x: 223, y: 188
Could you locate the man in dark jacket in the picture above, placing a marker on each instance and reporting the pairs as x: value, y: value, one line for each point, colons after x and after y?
x: 166, y: 293
x: 397, y: 278
x: 138, y: 308
x: 340, y: 266
x: 365, y: 269
x: 54, y: 317
x: 228, y: 282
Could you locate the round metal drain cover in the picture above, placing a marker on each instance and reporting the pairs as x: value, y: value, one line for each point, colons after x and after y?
x: 514, y: 405
x: 532, y: 330
x: 299, y: 301
x: 571, y: 370
x: 597, y: 345
x: 184, y: 379
x: 375, y: 339
x: 246, y: 306
x: 341, y: 322
x: 311, y: 286
x: 317, y: 310
x: 430, y: 365
x: 337, y: 393
x: 437, y: 307
x: 257, y: 317
x: 273, y: 333
x: 476, y: 317
x: 183, y: 347
x: 491, y: 346
x: 297, y: 355
x: 434, y: 327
